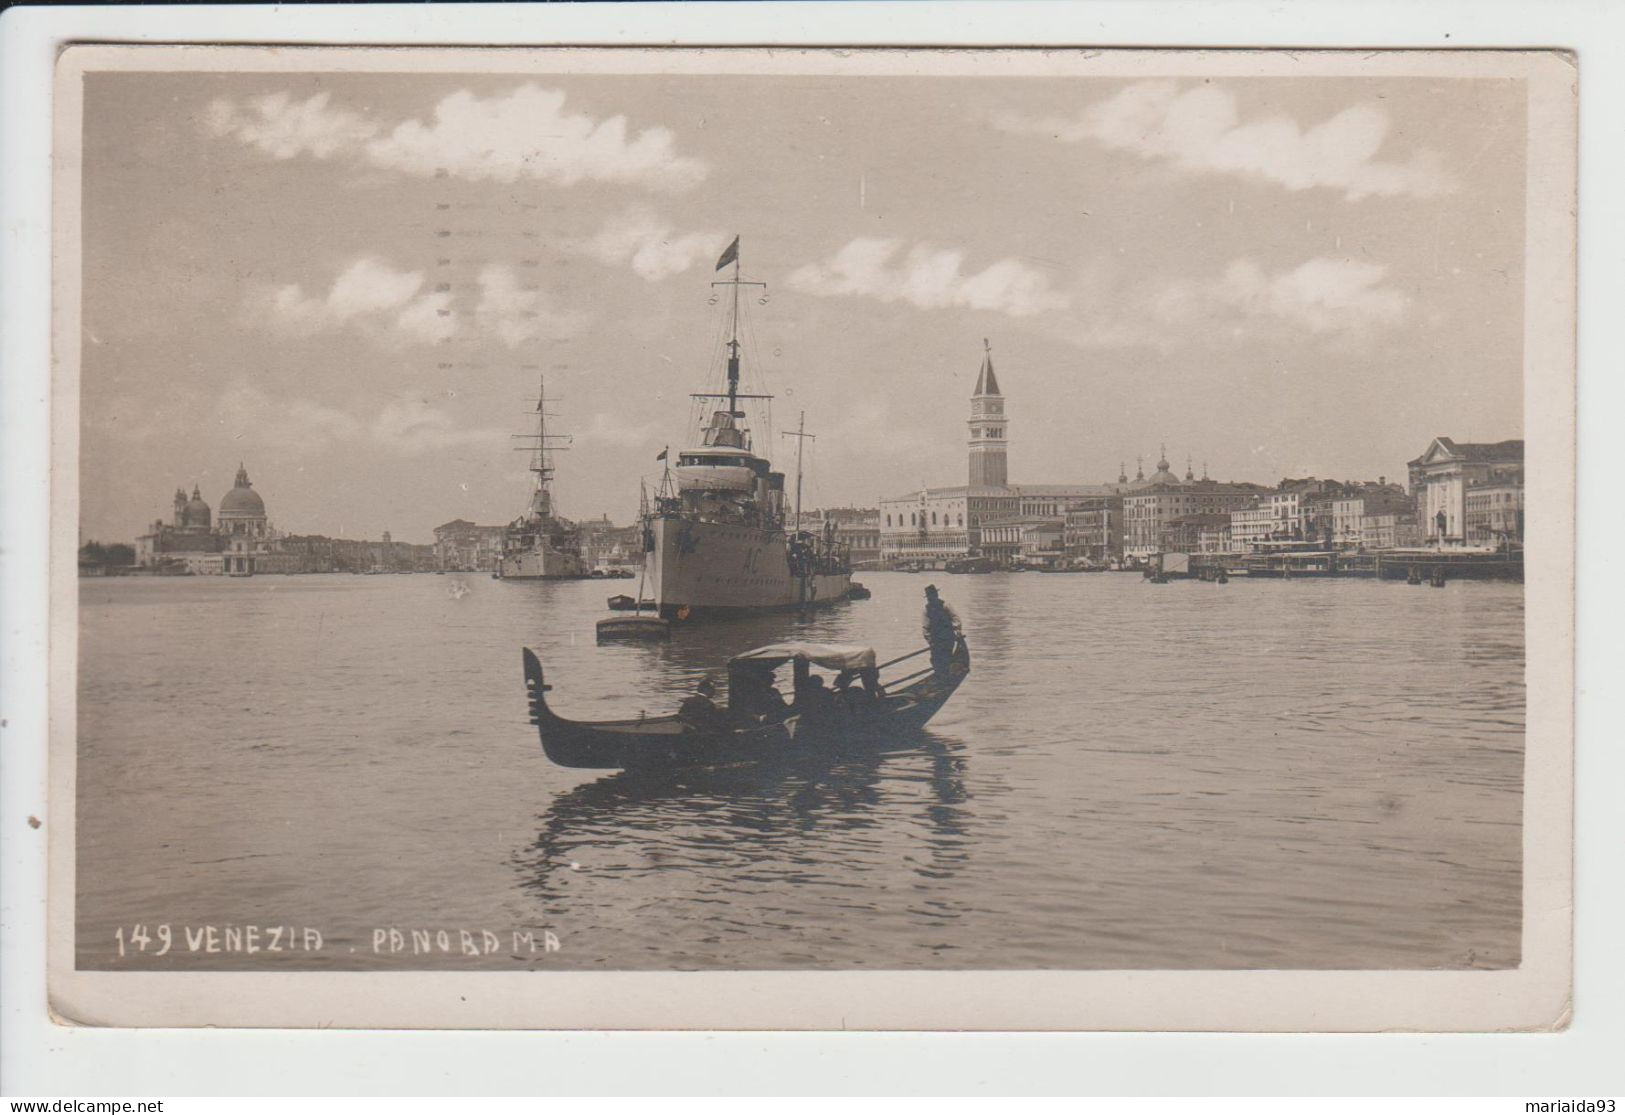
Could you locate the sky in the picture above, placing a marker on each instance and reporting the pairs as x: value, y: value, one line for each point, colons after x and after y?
x: 352, y: 283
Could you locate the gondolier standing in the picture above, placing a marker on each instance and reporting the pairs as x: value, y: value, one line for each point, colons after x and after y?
x: 941, y: 630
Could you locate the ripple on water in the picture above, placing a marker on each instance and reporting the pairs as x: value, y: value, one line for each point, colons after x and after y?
x: 1315, y: 775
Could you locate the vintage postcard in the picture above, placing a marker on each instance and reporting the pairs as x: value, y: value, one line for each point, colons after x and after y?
x: 866, y: 539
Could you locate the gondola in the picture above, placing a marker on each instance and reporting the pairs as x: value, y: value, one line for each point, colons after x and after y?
x: 755, y: 725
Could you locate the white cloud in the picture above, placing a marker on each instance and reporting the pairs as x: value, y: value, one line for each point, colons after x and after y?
x: 516, y: 313
x: 1200, y: 130
x: 1323, y: 295
x: 370, y: 295
x: 408, y: 425
x: 1335, y: 299
x: 284, y: 128
x: 650, y: 246
x: 928, y: 277
x: 526, y: 134
x: 392, y: 307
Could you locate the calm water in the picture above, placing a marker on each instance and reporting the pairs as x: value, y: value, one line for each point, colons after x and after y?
x: 1268, y: 774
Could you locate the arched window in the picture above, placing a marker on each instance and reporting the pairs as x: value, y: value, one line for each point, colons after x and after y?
x: 888, y: 520
x: 961, y: 520
x: 911, y: 520
x: 933, y: 518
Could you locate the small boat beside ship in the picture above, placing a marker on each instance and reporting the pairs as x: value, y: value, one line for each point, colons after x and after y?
x: 756, y: 725
x: 720, y: 537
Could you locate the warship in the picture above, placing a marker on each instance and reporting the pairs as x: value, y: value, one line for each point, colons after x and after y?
x: 719, y: 537
x: 540, y: 544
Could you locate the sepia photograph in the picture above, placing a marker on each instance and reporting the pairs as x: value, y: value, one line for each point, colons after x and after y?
x: 992, y: 523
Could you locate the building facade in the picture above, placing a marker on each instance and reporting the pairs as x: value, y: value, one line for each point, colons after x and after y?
x: 1092, y: 530
x: 1149, y: 512
x: 1442, y: 476
x: 1351, y: 508
x: 1494, y: 509
x: 464, y: 547
x: 238, y: 541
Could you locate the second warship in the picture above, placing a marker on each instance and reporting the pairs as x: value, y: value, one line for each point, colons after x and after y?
x: 540, y: 544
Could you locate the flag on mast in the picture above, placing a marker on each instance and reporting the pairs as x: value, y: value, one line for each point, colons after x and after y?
x: 661, y: 456
x: 729, y: 256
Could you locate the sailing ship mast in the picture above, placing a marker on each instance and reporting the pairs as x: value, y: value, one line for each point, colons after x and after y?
x: 541, y: 456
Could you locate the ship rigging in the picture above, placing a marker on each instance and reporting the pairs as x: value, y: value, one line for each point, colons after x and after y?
x: 540, y: 544
x: 720, y: 536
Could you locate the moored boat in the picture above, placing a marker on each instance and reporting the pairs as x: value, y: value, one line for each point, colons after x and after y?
x: 721, y: 537
x: 540, y: 544
x: 756, y: 725
x: 616, y: 628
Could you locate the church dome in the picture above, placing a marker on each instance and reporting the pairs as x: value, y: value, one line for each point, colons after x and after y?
x: 197, y: 512
x: 242, y: 501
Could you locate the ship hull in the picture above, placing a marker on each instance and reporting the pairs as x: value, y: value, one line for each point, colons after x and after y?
x: 541, y: 563
x: 697, y: 569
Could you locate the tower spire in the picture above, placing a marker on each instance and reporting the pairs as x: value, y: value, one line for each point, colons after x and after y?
x: 988, y: 445
x: 986, y: 382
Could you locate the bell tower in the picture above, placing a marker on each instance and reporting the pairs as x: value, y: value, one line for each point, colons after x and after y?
x: 988, y: 441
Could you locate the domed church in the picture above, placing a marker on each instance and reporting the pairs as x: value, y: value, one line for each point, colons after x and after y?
x: 238, y: 540
x: 242, y: 511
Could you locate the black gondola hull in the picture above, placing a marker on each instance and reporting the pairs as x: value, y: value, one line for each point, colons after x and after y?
x: 668, y: 741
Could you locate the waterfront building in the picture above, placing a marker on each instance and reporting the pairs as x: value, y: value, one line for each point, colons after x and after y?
x: 238, y: 541
x: 1289, y: 509
x: 187, y: 543
x: 857, y: 529
x: 1043, y: 542
x: 1251, y: 524
x: 986, y: 516
x: 1149, y: 512
x: 464, y: 547
x: 1441, y: 477
x: 1351, y: 508
x: 1215, y: 538
x: 1092, y: 530
x: 1186, y: 534
x: 1494, y: 509
x: 1390, y: 531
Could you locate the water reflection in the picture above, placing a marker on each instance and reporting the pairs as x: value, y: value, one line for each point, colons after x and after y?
x: 811, y: 812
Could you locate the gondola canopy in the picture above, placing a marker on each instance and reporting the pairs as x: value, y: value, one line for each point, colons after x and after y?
x: 831, y: 656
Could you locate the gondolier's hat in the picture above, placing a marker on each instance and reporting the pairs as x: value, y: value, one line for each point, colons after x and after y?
x: 706, y: 686
x: 930, y: 590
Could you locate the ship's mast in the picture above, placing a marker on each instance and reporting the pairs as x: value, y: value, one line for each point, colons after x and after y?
x: 733, y: 346
x: 541, y: 455
x: 801, y: 435
x: 733, y: 396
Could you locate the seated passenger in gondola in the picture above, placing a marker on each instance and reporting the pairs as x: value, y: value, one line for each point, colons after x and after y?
x: 856, y: 696
x: 753, y: 697
x: 701, y: 709
x: 813, y: 699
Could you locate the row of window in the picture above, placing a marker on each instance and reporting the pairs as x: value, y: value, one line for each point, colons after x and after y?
x: 917, y: 518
